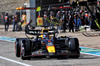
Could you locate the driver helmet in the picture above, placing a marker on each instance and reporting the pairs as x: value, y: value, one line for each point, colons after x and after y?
x: 44, y: 36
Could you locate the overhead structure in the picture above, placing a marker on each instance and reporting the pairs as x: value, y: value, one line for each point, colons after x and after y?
x: 95, y: 19
x: 33, y: 13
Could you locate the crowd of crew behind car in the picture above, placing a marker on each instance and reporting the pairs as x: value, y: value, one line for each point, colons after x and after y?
x: 17, y: 22
x: 65, y: 20
x: 68, y: 20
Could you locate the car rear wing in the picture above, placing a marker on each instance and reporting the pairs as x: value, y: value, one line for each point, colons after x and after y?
x: 32, y: 32
x: 38, y: 32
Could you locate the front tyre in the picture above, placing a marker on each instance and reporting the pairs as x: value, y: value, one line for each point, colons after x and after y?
x: 74, y: 47
x: 26, y: 44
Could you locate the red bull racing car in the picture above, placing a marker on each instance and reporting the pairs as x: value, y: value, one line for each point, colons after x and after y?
x: 46, y: 44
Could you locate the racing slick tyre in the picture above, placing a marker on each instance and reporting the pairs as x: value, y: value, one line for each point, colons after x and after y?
x: 74, y: 47
x: 18, y: 47
x: 27, y: 49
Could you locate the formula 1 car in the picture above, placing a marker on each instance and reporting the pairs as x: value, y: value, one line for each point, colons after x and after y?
x: 46, y: 44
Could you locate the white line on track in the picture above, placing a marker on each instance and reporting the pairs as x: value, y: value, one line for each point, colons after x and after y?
x: 14, y: 61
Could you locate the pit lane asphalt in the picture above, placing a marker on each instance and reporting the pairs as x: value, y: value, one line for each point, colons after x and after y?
x: 7, y: 51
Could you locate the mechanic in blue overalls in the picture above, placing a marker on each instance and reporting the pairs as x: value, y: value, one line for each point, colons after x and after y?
x: 13, y: 23
x: 86, y: 15
x: 45, y: 21
x: 77, y: 21
x: 52, y: 20
x: 58, y: 18
x: 64, y: 21
x: 6, y: 21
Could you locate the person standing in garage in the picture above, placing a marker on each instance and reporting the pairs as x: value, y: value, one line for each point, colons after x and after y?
x: 6, y: 22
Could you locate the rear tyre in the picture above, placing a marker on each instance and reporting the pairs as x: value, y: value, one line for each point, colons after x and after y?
x: 17, y: 47
x: 74, y: 47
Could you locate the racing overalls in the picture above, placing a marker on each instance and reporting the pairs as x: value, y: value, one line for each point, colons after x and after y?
x: 24, y: 20
x: 6, y: 21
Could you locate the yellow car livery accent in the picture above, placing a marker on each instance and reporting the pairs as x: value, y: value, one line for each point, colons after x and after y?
x: 45, y: 30
x: 63, y: 36
x: 41, y: 36
x: 51, y: 49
